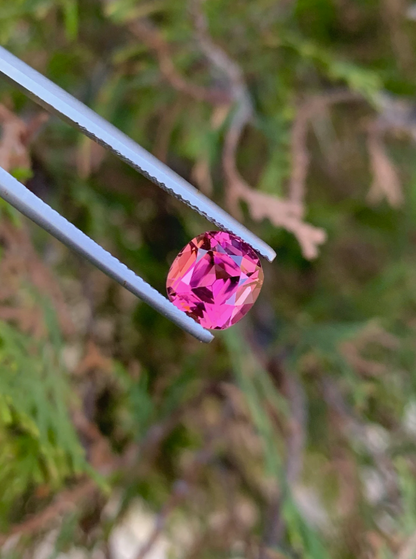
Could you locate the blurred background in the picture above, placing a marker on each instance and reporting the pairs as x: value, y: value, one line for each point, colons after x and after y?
x: 291, y: 436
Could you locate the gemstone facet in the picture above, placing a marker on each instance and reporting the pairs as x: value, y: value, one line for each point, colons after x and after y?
x: 215, y: 279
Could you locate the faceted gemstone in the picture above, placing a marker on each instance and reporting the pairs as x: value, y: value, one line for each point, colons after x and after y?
x: 215, y: 279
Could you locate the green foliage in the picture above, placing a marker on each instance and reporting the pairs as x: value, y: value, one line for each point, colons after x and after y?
x: 363, y: 80
x: 10, y: 12
x: 342, y: 326
x: 38, y: 441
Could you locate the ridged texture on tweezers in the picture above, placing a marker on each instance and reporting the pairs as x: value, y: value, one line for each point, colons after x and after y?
x: 35, y: 209
x: 56, y: 100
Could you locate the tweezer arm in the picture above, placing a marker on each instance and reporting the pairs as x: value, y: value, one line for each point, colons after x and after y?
x: 35, y: 209
x: 55, y: 99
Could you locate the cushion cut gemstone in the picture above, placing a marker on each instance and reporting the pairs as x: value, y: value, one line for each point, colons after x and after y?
x: 215, y: 279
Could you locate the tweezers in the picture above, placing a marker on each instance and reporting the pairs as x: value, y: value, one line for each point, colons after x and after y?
x: 57, y: 101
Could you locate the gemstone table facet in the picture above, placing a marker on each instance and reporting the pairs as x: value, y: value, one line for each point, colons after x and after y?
x: 215, y: 279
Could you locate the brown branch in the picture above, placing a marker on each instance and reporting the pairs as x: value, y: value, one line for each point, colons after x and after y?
x: 364, y: 367
x: 144, y: 31
x: 20, y: 262
x: 408, y: 550
x: 356, y: 431
x: 62, y: 504
x: 299, y: 149
x: 218, y: 58
x: 182, y: 487
x: 180, y: 490
x: 101, y: 458
x: 15, y: 138
x: 282, y: 213
x: 396, y: 118
x: 295, y: 438
x: 158, y: 432
x: 386, y: 182
x: 394, y: 14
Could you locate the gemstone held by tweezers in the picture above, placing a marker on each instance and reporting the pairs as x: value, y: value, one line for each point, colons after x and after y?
x: 215, y: 279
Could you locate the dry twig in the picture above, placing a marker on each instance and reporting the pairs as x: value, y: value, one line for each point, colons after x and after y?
x: 144, y: 31
x: 62, y: 504
x: 295, y: 447
x: 282, y: 213
x: 408, y: 550
x: 182, y: 487
x: 311, y: 108
x: 21, y: 263
x: 16, y: 136
x: 386, y: 182
x: 394, y: 14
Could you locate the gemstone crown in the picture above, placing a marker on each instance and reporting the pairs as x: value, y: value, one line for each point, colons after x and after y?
x: 215, y: 279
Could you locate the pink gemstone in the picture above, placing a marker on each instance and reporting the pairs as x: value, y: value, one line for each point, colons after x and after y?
x: 215, y: 279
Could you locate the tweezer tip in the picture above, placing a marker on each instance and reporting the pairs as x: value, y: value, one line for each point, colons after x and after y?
x: 271, y: 255
x: 209, y: 338
x: 203, y: 335
x: 264, y: 250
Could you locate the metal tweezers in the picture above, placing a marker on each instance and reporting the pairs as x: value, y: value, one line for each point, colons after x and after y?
x: 58, y: 101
